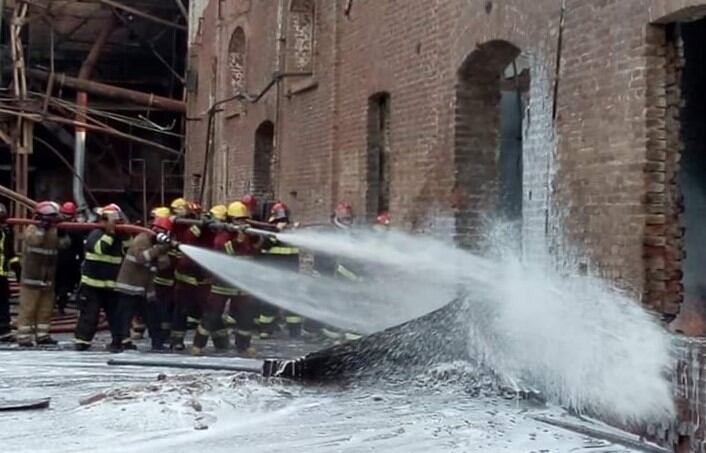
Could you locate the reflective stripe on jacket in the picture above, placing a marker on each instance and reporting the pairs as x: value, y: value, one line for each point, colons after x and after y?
x: 39, y: 256
x: 137, y: 271
x: 104, y: 255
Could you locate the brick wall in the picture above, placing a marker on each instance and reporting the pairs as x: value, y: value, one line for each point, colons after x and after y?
x: 600, y: 159
x: 597, y: 179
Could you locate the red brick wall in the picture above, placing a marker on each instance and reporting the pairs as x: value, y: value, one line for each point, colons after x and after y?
x: 585, y: 175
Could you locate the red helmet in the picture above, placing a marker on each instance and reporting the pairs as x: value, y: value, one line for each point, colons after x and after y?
x: 47, y: 209
x: 194, y: 208
x: 250, y: 201
x: 164, y: 223
x: 344, y: 210
x: 383, y: 219
x: 279, y: 211
x: 68, y: 208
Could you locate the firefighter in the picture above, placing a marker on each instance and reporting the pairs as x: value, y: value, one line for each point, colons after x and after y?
x: 243, y: 306
x: 285, y: 257
x: 342, y: 220
x: 41, y: 244
x: 104, y: 255
x: 8, y: 262
x: 164, y: 280
x: 134, y: 283
x: 68, y: 270
x: 212, y: 324
x: 191, y: 286
x: 250, y: 202
x: 138, y: 323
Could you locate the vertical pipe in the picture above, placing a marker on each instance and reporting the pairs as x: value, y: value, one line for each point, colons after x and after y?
x: 82, y: 102
x: 2, y: 13
x: 280, y: 55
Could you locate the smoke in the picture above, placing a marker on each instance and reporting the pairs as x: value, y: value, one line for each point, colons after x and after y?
x: 580, y: 342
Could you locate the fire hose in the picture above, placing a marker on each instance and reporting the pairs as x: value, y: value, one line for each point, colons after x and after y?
x: 83, y: 226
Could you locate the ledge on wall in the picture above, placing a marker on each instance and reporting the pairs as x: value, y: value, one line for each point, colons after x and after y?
x: 302, y: 86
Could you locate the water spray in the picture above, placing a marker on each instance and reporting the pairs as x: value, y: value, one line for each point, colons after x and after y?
x: 579, y: 341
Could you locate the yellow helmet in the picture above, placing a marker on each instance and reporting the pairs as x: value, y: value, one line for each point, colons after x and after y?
x: 160, y: 212
x: 238, y: 210
x: 219, y: 212
x: 180, y: 206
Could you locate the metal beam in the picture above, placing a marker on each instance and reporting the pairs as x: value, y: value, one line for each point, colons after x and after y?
x: 102, y: 89
x: 183, y: 10
x: 38, y: 118
x: 143, y: 14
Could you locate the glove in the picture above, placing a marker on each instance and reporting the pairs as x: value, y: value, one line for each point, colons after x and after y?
x: 163, y: 238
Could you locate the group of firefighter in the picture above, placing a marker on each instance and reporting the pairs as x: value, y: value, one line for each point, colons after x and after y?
x: 144, y: 282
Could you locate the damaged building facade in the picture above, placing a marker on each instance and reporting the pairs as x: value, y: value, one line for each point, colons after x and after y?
x: 575, y: 119
x: 579, y: 120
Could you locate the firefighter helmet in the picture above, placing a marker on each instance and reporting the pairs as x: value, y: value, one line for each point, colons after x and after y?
x: 111, y: 212
x: 161, y: 211
x: 194, y: 208
x: 47, y: 209
x: 344, y: 210
x: 162, y: 223
x: 218, y: 212
x: 238, y: 210
x: 179, y: 206
x: 279, y: 212
x: 250, y: 201
x: 383, y: 219
x: 68, y: 209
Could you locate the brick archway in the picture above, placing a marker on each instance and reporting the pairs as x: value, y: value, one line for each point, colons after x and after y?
x: 262, y: 177
x: 478, y: 169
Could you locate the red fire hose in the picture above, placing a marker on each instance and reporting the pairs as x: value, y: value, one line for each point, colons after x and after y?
x: 78, y: 226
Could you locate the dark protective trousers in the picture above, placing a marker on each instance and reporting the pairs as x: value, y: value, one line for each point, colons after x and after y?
x: 211, y: 324
x: 268, y: 313
x: 152, y: 312
x: 161, y: 310
x: 94, y: 300
x: 243, y: 309
x: 188, y: 302
x: 4, y: 306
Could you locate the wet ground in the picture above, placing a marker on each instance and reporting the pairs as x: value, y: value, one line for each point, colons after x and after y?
x: 96, y: 407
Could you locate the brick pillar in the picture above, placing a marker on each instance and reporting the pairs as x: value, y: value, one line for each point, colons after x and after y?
x: 663, y: 237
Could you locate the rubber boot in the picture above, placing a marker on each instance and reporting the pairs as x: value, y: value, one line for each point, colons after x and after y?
x: 115, y: 347
x: 243, y: 344
x: 221, y: 341
x: 46, y: 341
x: 200, y: 341
x: 82, y: 346
x: 128, y: 345
x: 176, y: 342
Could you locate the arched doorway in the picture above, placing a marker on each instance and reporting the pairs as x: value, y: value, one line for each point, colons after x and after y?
x: 491, y: 95
x: 262, y: 184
